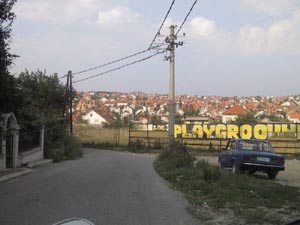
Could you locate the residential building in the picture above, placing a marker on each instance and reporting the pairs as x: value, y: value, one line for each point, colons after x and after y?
x: 232, y: 114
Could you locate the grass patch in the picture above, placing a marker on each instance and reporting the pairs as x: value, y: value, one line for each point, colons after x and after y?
x: 137, y: 146
x: 213, y: 192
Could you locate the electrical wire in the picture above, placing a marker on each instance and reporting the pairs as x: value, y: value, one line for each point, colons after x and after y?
x: 114, y: 61
x: 186, y: 17
x: 162, y: 24
x: 120, y: 67
x: 132, y: 55
x: 151, y: 45
x: 63, y: 76
x: 118, y: 60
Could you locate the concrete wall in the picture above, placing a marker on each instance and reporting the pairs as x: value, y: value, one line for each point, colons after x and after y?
x: 31, y: 156
x: 35, y: 154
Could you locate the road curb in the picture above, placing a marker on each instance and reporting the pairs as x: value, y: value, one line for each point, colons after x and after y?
x: 15, y: 174
x: 40, y: 163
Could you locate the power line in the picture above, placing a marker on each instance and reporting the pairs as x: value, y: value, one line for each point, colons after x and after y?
x: 66, y: 75
x: 114, y: 61
x: 162, y: 24
x: 120, y: 67
x: 185, y: 19
x: 118, y: 60
x: 132, y: 55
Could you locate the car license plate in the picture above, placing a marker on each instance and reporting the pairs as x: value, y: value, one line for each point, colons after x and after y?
x: 263, y: 159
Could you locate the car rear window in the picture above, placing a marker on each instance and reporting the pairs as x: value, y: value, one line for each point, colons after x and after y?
x: 255, y: 146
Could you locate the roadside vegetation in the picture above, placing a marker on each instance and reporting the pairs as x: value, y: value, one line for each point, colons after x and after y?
x: 136, y: 146
x: 104, y: 146
x: 217, y: 196
x: 36, y: 98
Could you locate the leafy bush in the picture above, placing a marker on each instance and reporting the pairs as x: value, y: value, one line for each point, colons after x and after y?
x: 209, y: 172
x: 157, y: 145
x: 136, y: 146
x: 57, y: 154
x: 177, y: 157
x: 73, y: 148
x: 70, y: 148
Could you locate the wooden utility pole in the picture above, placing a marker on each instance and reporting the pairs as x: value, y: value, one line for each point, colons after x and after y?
x: 70, y: 102
x: 66, y: 101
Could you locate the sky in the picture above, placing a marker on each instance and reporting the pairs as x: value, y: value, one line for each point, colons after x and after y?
x: 231, y: 47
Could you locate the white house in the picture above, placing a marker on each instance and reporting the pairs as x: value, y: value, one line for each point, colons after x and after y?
x: 93, y: 117
x: 128, y: 110
x: 294, y: 117
x: 233, y: 113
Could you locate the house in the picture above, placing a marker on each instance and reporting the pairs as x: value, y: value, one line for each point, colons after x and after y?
x: 232, y: 114
x: 96, y: 117
x: 197, y: 120
x: 127, y: 112
x: 294, y: 117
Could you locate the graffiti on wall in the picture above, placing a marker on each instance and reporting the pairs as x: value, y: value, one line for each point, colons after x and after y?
x: 247, y: 131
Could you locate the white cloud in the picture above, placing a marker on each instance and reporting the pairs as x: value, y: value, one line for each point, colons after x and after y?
x: 62, y: 12
x: 268, y: 6
x: 281, y: 37
x: 203, y: 26
x: 116, y: 16
x: 251, y: 40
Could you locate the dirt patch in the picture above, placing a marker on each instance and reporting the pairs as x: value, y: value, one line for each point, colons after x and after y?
x: 290, y: 176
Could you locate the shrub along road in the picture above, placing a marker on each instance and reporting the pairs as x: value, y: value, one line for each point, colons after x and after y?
x: 290, y: 176
x: 104, y: 187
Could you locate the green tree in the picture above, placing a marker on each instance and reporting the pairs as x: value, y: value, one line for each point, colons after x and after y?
x: 178, y: 119
x: 248, y: 118
x: 42, y: 104
x: 8, y: 92
x: 155, y: 120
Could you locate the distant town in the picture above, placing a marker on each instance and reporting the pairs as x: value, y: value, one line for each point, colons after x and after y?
x: 118, y: 109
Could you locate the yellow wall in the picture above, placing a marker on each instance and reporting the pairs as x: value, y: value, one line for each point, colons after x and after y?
x: 120, y: 136
x: 115, y: 136
x: 247, y: 131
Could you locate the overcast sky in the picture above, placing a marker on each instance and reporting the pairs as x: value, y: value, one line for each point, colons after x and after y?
x: 232, y: 47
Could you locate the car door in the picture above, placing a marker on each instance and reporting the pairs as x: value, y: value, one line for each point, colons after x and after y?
x: 226, y: 158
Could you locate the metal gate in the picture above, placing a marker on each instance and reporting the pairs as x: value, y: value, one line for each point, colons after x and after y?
x: 9, y: 151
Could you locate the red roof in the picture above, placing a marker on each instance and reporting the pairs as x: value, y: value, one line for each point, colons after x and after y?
x: 108, y: 116
x: 295, y: 115
x: 235, y: 110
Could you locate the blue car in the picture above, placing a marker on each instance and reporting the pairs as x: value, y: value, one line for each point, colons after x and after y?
x: 251, y: 155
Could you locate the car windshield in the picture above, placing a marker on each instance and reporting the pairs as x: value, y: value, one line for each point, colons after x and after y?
x: 255, y: 146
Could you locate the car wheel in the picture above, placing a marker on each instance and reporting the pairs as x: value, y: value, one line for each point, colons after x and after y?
x: 235, y: 168
x: 272, y: 174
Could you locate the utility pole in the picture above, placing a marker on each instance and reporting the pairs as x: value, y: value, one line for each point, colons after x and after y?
x: 171, y: 40
x: 66, y: 101
x: 172, y: 86
x: 70, y: 102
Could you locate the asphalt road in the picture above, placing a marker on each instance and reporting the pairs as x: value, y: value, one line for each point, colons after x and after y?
x: 105, y: 187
